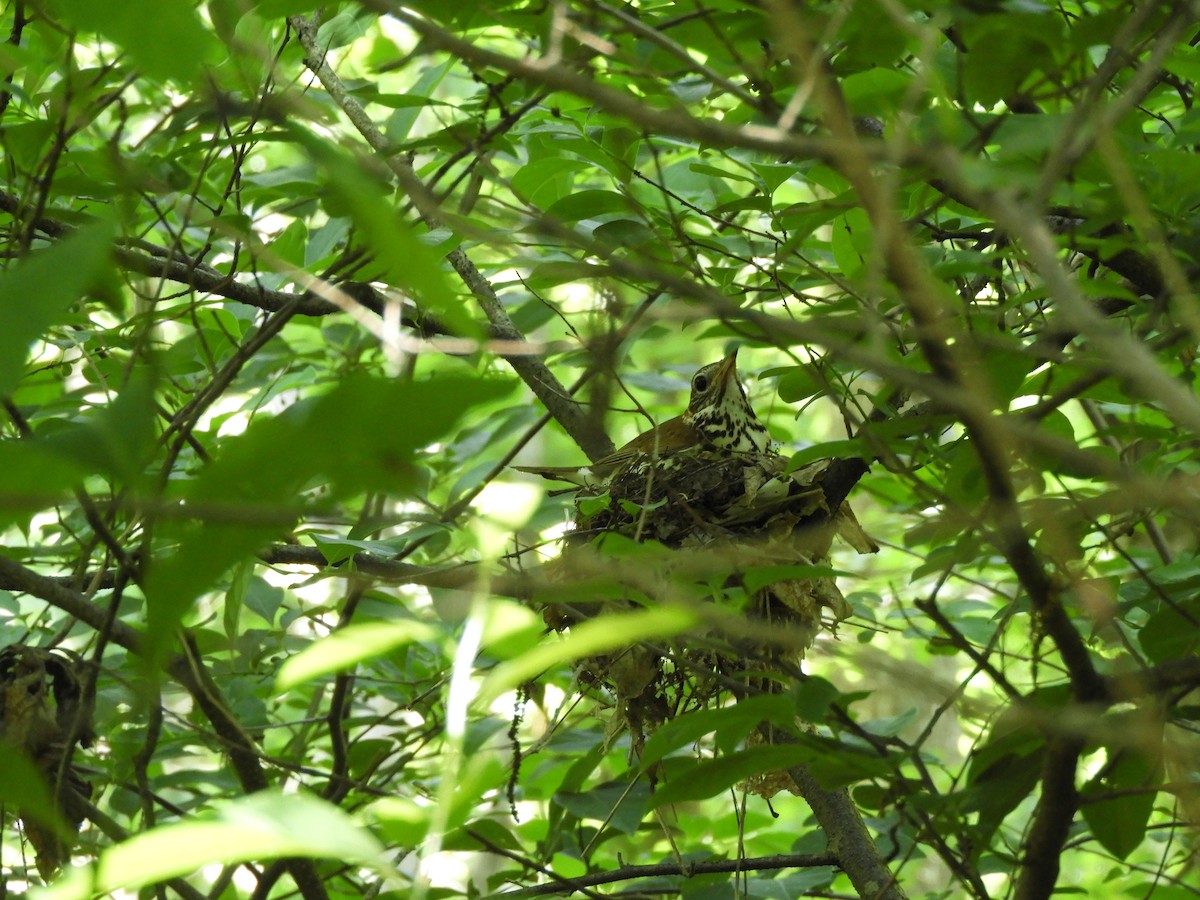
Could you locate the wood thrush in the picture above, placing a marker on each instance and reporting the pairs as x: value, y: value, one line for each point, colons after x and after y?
x: 718, y: 417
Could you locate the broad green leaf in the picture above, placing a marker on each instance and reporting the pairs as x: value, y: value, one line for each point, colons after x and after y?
x: 1171, y: 633
x: 1003, y: 369
x: 403, y: 822
x: 1119, y: 821
x: 713, y: 776
x: 1003, y: 772
x: 337, y: 549
x: 589, y: 204
x: 32, y: 479
x: 264, y: 599
x: 347, y: 647
x: 511, y: 629
x: 468, y: 837
x: 877, y: 90
x: 735, y: 721
x: 813, y: 696
x: 1178, y: 580
x: 1006, y: 51
x: 871, y: 42
x: 362, y: 435
x: 598, y: 635
x: 827, y: 450
x: 852, y: 242
x: 628, y: 233
x: 263, y: 826
x: 164, y: 38
x: 344, y: 27
x: 964, y: 483
x: 797, y: 384
x: 26, y: 141
x: 705, y: 169
x: 415, y: 99
x: 38, y: 291
x: 235, y: 597
x: 543, y: 182
x: 621, y: 805
x: 117, y: 439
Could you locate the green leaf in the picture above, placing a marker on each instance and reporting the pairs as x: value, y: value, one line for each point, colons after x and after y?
x: 1171, y: 633
x: 1006, y: 50
x: 796, y: 384
x: 813, y: 697
x: 589, y: 205
x: 877, y: 90
x: 705, y: 169
x: 1004, y: 368
x: 165, y: 38
x: 412, y: 102
x: 339, y: 549
x: 469, y: 836
x: 964, y: 483
x: 118, y: 439
x: 235, y: 597
x: 362, y: 435
x: 713, y: 776
x: 627, y: 233
x: 598, y: 635
x: 1006, y: 769
x: 33, y: 478
x: 852, y: 242
x: 347, y: 647
x: 827, y: 450
x: 1119, y: 822
x: 39, y: 290
x: 264, y: 599
x: 511, y: 629
x: 404, y: 822
x: 622, y: 805
x: 263, y: 826
x: 1178, y: 580
x: 543, y: 182
x: 733, y: 722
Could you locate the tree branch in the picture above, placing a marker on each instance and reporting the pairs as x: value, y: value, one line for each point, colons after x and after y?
x: 1056, y: 808
x: 849, y: 839
x: 691, y: 870
x: 159, y: 262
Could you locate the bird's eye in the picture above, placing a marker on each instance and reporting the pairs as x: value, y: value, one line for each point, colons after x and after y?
x: 700, y: 383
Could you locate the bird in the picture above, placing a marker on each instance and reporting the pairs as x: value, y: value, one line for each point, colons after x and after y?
x: 718, y: 418
x: 43, y: 715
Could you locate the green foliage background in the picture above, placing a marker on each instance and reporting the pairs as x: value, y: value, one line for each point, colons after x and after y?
x: 282, y: 298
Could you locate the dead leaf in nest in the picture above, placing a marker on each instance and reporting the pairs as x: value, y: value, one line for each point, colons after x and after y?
x: 768, y: 784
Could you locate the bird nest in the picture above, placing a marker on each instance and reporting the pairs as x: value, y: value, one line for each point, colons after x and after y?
x: 752, y: 534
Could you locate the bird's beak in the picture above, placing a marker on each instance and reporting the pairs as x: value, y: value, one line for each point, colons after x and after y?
x: 728, y: 369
